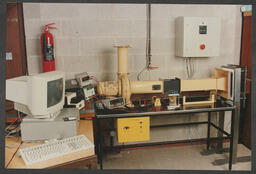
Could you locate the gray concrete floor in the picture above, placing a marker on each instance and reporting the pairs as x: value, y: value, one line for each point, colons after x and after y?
x: 172, y: 158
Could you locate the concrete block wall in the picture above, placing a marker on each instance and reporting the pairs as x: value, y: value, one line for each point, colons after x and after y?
x: 86, y: 34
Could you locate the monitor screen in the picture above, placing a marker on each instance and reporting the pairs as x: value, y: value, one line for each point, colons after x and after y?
x: 54, y: 92
x: 39, y: 95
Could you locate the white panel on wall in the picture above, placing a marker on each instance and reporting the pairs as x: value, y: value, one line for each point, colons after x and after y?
x: 197, y: 36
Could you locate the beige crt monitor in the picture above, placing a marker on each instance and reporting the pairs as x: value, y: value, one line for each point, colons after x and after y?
x: 39, y: 96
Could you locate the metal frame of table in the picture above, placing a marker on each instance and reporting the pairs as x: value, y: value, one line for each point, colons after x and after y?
x: 99, y: 145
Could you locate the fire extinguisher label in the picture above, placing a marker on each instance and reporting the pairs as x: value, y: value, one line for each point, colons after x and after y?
x: 49, y: 53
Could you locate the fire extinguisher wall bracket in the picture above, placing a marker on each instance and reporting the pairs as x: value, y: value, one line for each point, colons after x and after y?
x: 47, y: 48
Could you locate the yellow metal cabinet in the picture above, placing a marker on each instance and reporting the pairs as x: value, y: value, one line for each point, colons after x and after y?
x: 133, y: 129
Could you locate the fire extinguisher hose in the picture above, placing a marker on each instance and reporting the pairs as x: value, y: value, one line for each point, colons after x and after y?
x: 44, y: 46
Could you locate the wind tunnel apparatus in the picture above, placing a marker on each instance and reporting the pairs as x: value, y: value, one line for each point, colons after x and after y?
x: 221, y: 84
x: 124, y: 86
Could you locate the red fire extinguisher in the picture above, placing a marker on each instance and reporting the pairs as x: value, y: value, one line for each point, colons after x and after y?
x: 47, y: 46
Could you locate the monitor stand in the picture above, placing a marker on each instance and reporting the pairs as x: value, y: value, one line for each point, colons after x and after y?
x: 36, y: 118
x: 24, y: 109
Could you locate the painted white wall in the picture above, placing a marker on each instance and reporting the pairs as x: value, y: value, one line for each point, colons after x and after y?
x: 87, y: 33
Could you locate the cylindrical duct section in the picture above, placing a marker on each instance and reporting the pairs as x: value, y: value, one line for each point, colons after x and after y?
x: 145, y: 87
x: 122, y: 59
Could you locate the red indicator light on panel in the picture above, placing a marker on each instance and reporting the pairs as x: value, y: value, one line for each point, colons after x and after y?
x: 202, y: 46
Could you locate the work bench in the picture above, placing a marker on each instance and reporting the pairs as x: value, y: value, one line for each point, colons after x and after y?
x: 103, y: 115
x: 14, y: 161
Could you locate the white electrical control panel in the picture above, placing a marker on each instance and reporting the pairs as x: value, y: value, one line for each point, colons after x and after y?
x: 197, y: 36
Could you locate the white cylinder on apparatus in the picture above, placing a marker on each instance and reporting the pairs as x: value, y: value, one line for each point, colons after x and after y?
x: 122, y: 59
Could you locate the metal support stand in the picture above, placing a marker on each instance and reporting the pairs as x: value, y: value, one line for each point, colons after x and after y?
x: 100, y: 143
x: 231, y: 147
x: 208, y: 130
x: 220, y: 134
x: 236, y: 131
x: 220, y: 129
x: 208, y: 139
x: 235, y: 118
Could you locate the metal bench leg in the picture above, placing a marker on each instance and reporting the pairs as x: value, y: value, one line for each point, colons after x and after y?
x: 209, y: 130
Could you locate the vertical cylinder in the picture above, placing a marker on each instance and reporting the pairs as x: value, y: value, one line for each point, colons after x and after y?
x: 122, y: 59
